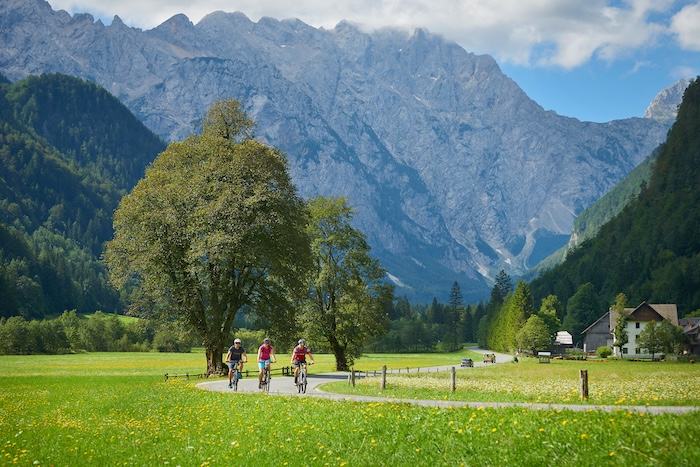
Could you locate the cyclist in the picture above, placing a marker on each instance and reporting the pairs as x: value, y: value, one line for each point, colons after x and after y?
x: 299, y: 356
x: 236, y: 356
x: 266, y: 355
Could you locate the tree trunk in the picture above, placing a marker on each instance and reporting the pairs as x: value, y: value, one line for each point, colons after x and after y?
x: 215, y: 365
x: 341, y: 361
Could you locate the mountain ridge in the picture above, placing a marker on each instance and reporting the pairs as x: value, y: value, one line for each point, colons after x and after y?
x: 454, y: 172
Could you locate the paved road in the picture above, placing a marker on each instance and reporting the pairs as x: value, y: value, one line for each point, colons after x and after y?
x: 284, y: 386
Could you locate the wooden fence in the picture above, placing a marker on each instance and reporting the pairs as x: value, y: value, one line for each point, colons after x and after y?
x: 284, y: 371
x: 583, y: 379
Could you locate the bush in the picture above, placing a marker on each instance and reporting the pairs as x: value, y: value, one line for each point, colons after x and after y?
x: 575, y: 354
x: 172, y: 338
x: 603, y: 351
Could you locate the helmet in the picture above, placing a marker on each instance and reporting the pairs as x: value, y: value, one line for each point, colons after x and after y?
x: 302, y: 341
x: 237, y: 341
x: 267, y: 339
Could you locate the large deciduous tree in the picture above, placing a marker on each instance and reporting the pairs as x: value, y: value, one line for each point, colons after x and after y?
x: 215, y: 225
x: 349, y: 296
x: 534, y: 335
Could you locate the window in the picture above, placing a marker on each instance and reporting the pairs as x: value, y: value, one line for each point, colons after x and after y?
x: 636, y: 350
x: 636, y: 325
x: 625, y: 326
x: 624, y: 350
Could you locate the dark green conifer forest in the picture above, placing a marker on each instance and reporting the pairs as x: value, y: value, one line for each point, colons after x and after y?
x: 68, y: 152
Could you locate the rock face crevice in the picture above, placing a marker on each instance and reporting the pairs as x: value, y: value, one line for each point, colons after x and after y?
x: 453, y: 171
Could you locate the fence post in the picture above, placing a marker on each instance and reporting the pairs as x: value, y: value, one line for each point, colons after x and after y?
x: 583, y: 381
x: 382, y: 384
x: 352, y: 377
x: 452, y: 379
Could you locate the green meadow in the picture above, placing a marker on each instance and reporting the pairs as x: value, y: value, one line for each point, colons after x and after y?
x: 117, y: 409
x: 610, y: 382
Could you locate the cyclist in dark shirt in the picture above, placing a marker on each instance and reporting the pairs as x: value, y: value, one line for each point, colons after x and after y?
x: 236, y: 356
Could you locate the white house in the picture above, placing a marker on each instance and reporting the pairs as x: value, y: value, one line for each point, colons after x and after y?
x: 637, y: 319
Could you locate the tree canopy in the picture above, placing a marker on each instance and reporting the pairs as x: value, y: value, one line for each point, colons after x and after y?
x: 349, y: 297
x: 215, y: 226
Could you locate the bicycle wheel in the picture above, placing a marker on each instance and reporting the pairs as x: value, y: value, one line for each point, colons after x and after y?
x: 300, y: 378
x: 266, y: 387
x: 303, y: 382
x: 235, y: 380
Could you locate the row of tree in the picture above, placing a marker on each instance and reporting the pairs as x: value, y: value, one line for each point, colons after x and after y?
x: 99, y: 333
x: 421, y: 328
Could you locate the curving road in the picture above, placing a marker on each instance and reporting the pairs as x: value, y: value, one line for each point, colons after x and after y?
x: 285, y: 384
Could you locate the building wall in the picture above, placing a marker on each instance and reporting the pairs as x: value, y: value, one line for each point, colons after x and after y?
x: 632, y: 349
x: 597, y: 336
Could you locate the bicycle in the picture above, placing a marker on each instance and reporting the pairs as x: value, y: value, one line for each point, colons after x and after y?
x: 301, y: 379
x: 265, y: 383
x: 235, y: 377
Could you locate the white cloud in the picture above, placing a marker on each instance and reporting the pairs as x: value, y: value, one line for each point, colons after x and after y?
x: 638, y: 65
x: 560, y: 33
x: 680, y: 72
x: 686, y: 26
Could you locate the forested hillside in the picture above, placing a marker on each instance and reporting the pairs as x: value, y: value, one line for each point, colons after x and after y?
x: 68, y: 152
x: 588, y: 223
x: 651, y: 250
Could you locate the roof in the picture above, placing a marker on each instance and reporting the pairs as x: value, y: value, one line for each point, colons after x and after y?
x: 666, y: 311
x: 605, y: 316
x: 690, y: 325
x: 564, y: 338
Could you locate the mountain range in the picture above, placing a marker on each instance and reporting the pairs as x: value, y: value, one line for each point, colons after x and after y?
x: 454, y: 172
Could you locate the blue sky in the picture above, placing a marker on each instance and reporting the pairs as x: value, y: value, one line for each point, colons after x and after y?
x: 595, y: 60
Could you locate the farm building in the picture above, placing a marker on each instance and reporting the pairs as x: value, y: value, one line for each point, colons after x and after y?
x: 601, y: 331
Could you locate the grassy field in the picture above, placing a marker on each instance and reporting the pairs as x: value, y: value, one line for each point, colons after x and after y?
x: 116, y: 409
x: 612, y: 382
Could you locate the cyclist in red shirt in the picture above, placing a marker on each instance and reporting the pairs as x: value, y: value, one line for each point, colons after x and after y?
x: 299, y: 356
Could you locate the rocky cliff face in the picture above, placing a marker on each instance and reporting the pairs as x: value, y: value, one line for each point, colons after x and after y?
x: 454, y: 172
x: 664, y: 107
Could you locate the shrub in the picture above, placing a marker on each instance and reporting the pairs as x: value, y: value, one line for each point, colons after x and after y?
x: 603, y: 351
